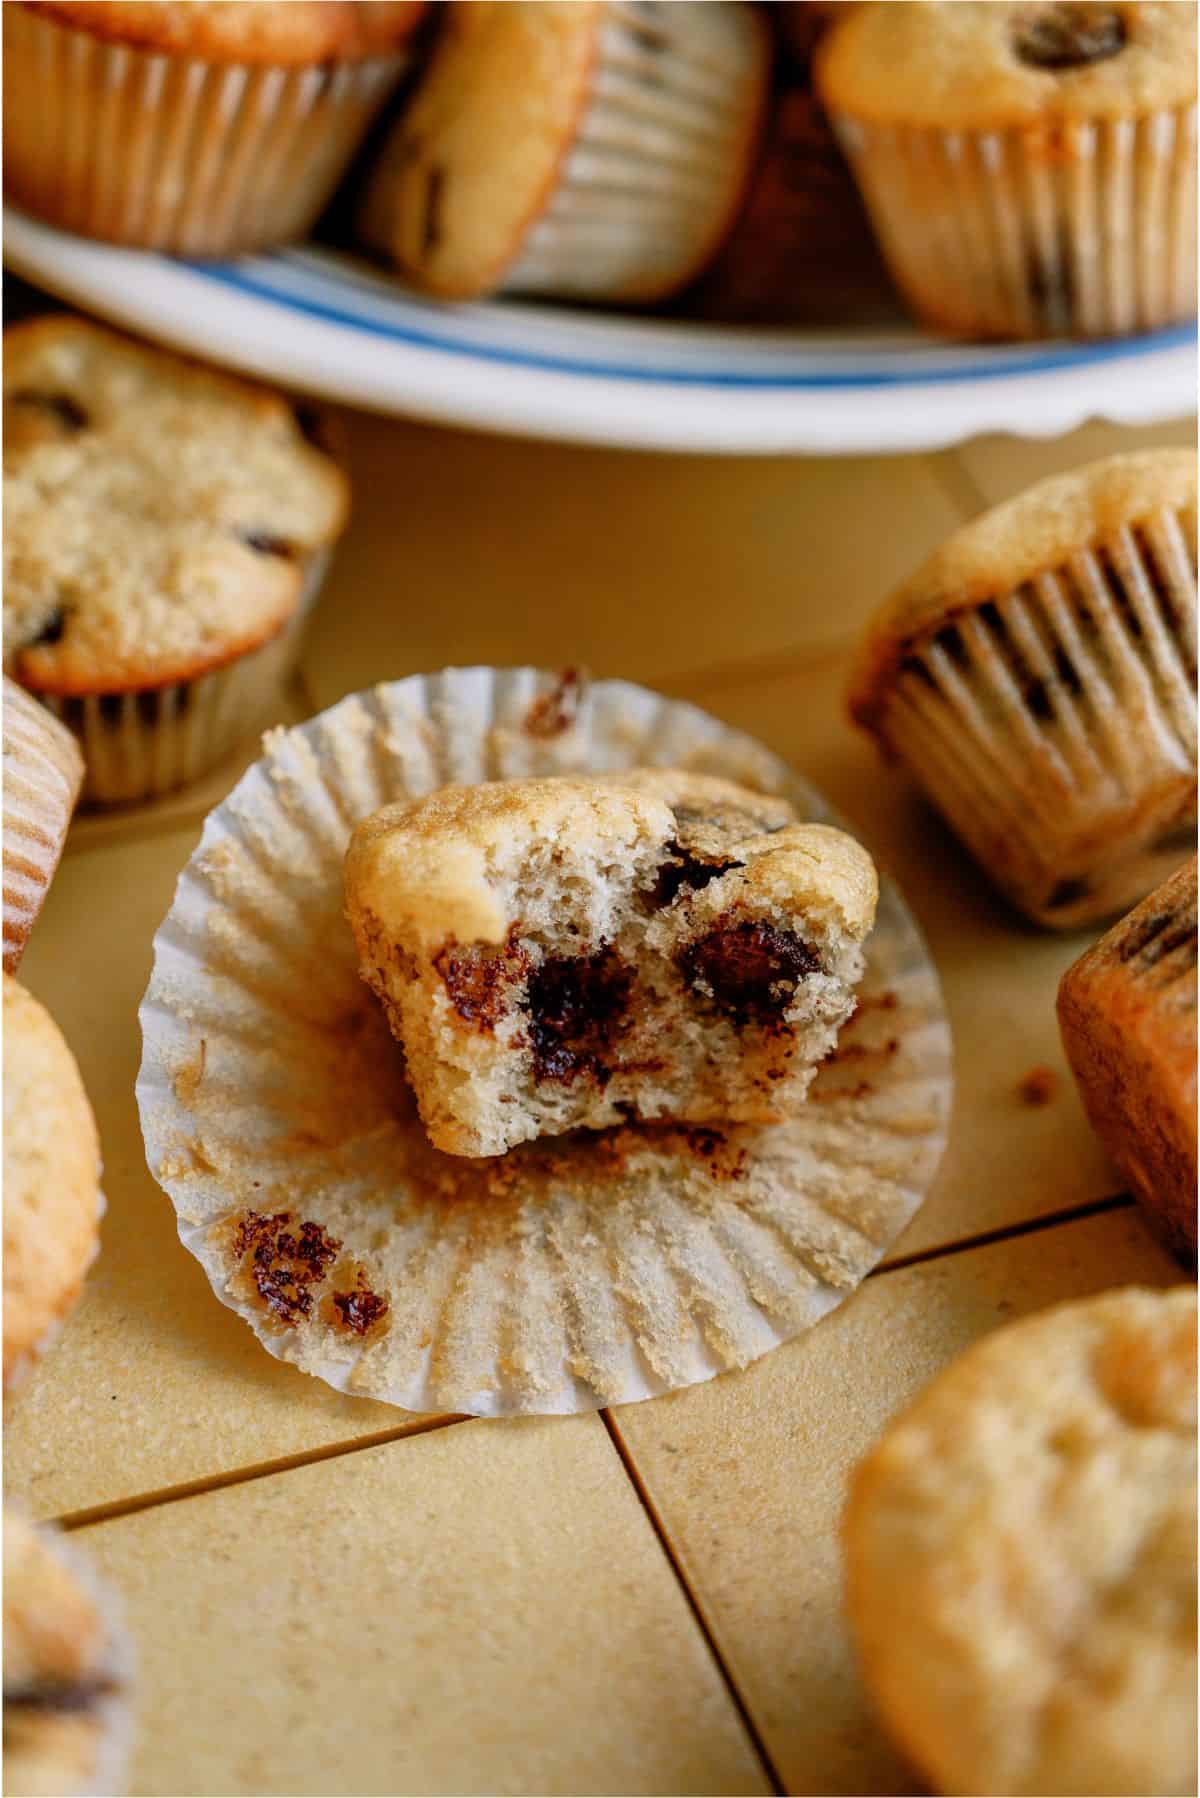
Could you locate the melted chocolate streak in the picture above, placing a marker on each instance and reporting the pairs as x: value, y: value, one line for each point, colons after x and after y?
x: 60, y: 1696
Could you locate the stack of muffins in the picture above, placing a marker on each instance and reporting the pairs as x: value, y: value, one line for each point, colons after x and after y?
x: 1027, y: 166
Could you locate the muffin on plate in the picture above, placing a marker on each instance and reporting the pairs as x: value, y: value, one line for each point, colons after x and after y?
x: 1127, y: 1011
x: 52, y: 1202
x: 64, y: 1671
x: 198, y: 129
x: 596, y: 151
x: 42, y: 773
x: 1030, y: 165
x: 559, y: 953
x: 1021, y: 1556
x: 164, y: 530
x: 1038, y: 676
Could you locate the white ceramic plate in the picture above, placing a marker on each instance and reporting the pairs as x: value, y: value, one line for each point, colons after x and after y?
x: 335, y: 327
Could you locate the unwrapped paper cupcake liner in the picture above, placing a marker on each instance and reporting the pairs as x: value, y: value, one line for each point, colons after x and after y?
x: 42, y: 775
x: 660, y: 158
x: 170, y: 152
x: 1076, y: 228
x: 572, y: 1272
x: 1055, y: 727
x: 142, y: 744
x: 112, y: 1709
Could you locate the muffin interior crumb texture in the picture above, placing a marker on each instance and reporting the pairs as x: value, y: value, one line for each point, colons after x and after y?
x: 562, y: 953
x: 157, y: 515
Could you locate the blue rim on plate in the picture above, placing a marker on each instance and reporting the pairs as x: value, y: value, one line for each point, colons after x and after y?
x: 340, y: 328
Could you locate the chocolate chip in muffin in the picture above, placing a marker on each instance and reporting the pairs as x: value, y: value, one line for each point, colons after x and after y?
x: 576, y: 1009
x: 263, y: 543
x: 431, y: 218
x: 49, y: 631
x: 683, y: 869
x: 32, y: 417
x: 751, y: 969
x: 1069, y: 35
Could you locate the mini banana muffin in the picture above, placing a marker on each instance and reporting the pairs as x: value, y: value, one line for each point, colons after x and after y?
x: 1127, y: 1011
x: 1038, y: 676
x: 561, y: 953
x: 201, y: 129
x: 163, y: 526
x: 1030, y: 165
x: 42, y: 773
x: 592, y: 150
x: 52, y: 1202
x: 1021, y: 1557
x: 63, y: 1673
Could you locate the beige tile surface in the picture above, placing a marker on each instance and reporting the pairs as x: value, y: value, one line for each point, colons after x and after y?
x: 1000, y: 466
x: 1007, y: 1161
x: 484, y: 1609
x: 152, y: 1381
x: 748, y: 1476
x: 641, y: 565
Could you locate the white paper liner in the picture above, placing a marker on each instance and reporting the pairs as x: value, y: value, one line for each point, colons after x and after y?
x: 142, y: 744
x: 169, y: 152
x: 114, y: 1710
x: 572, y: 1273
x: 1056, y: 730
x: 1084, y: 229
x: 42, y: 775
x: 661, y: 155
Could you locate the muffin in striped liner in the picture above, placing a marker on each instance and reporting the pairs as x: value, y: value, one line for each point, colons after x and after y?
x: 1030, y: 166
x: 43, y: 770
x: 165, y: 530
x: 1038, y: 677
x: 1127, y: 1012
x: 200, y: 130
x: 596, y: 151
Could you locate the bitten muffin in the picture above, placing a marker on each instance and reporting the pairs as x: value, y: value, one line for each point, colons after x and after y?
x: 63, y: 1679
x: 1038, y: 676
x: 1021, y: 1557
x: 42, y: 773
x: 1127, y: 1011
x: 561, y: 953
x: 201, y: 129
x: 1030, y: 166
x: 163, y: 526
x: 592, y: 150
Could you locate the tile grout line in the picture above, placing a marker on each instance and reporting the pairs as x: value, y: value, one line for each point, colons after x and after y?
x: 91, y: 1515
x: 242, y: 1476
x: 1005, y: 1233
x: 664, y: 1542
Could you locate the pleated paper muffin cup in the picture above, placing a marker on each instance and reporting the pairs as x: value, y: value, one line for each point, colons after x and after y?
x: 42, y: 774
x: 1055, y: 727
x: 570, y: 1273
x: 138, y: 745
x: 111, y: 1710
x: 1077, y: 228
x: 660, y: 158
x: 169, y: 152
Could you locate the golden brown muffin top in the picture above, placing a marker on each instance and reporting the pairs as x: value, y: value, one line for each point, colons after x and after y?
x: 1028, y: 535
x: 51, y: 1175
x: 957, y: 65
x: 254, y: 31
x: 1021, y: 1549
x: 158, y: 515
